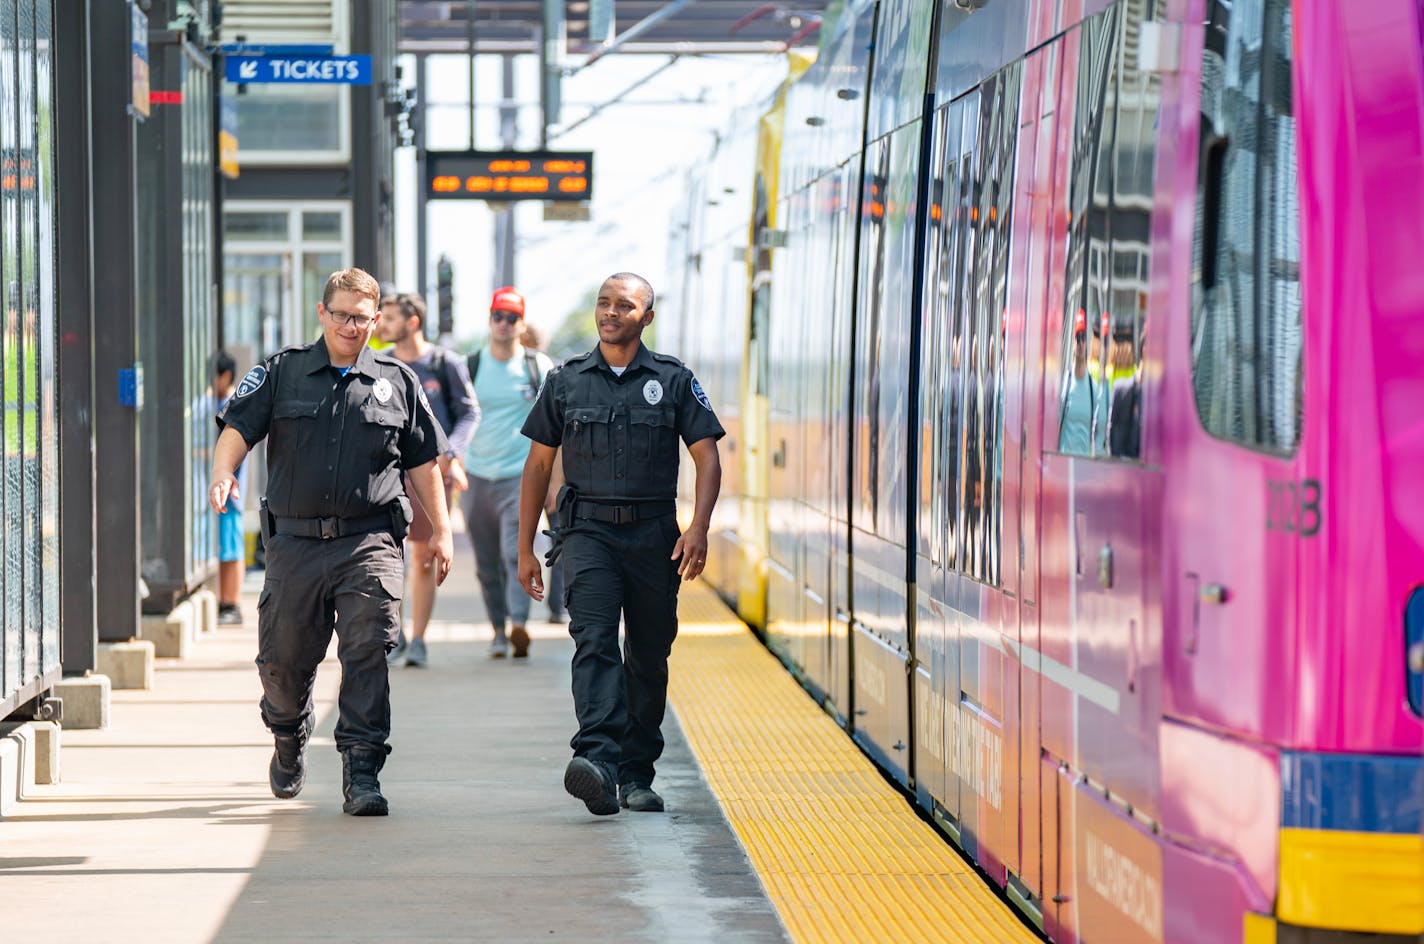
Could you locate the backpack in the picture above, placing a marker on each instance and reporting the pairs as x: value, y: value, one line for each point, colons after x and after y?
x: 437, y: 364
x: 531, y: 367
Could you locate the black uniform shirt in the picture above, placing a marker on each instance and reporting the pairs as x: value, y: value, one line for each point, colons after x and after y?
x: 620, y: 434
x: 336, y: 445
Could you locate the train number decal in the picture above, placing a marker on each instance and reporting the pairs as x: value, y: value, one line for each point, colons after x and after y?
x: 1293, y: 506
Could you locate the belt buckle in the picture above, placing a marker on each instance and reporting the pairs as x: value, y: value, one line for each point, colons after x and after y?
x: 625, y: 514
x: 328, y: 528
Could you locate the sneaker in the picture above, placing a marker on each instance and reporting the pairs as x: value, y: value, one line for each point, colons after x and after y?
x: 229, y: 614
x: 519, y: 639
x: 415, y: 652
x: 395, y: 656
x: 558, y: 616
x: 498, y: 647
x: 593, y: 784
x: 639, y: 797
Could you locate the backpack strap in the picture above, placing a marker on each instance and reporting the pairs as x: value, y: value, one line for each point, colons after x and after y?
x: 531, y: 367
x: 473, y: 363
x: 438, y: 367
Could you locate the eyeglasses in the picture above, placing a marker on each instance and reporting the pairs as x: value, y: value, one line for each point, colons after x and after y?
x: 501, y: 317
x: 361, y: 322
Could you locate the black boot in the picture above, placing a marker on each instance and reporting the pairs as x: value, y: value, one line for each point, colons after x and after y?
x: 288, y: 770
x: 359, y: 766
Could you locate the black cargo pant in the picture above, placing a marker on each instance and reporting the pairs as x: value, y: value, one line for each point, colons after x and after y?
x: 351, y: 585
x: 620, y: 701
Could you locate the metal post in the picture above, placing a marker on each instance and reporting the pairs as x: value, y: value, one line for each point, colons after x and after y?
x: 422, y: 203
x: 368, y: 241
x: 78, y: 612
x: 115, y: 339
x: 471, y: 8
x: 504, y: 215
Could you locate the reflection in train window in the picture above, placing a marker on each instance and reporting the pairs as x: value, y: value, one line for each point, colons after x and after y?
x: 1246, y: 306
x: 1105, y: 317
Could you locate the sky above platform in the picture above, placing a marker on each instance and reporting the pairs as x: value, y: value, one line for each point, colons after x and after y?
x: 643, y: 146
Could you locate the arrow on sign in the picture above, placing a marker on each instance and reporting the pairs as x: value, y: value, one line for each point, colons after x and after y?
x: 248, y: 70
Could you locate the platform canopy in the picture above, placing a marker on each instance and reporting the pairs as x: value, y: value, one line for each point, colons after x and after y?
x: 647, y: 26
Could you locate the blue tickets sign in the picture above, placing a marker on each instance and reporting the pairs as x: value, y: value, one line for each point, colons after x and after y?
x: 322, y: 70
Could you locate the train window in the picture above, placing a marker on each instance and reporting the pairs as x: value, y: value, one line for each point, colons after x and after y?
x: 1105, y: 320
x: 1246, y: 303
x: 987, y: 278
x: 1083, y: 395
x: 959, y: 183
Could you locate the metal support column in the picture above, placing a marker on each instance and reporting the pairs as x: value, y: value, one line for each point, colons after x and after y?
x: 371, y: 143
x: 115, y: 287
x: 504, y: 213
x: 78, y: 613
x: 422, y: 202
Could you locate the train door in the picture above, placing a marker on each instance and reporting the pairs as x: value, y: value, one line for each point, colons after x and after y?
x: 840, y: 194
x: 778, y: 327
x: 987, y: 701
x: 1023, y: 439
x: 1099, y: 658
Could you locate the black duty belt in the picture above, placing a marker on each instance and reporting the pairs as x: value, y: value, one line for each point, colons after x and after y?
x: 328, y: 528
x: 624, y: 514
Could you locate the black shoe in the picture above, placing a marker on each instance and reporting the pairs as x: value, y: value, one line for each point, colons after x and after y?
x: 592, y: 784
x: 229, y: 614
x: 640, y: 798
x: 359, y: 766
x: 288, y: 770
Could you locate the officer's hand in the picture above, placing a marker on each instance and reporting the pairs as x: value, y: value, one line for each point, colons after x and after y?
x: 439, y: 551
x: 221, y: 490
x: 692, y: 548
x: 531, y: 576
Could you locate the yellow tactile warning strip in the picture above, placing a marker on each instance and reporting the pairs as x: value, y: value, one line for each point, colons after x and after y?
x: 842, y: 855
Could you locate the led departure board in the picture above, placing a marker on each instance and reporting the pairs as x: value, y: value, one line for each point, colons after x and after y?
x: 509, y: 175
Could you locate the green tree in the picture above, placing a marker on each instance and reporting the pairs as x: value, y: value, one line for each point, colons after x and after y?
x: 577, y: 333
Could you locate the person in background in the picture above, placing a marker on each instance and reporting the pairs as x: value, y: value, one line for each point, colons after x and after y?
x: 554, y: 595
x: 507, y: 378
x: 341, y: 423
x: 447, y: 388
x: 232, y: 546
x: 618, y: 413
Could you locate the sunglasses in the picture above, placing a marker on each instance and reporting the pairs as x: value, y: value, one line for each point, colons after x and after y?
x: 504, y: 317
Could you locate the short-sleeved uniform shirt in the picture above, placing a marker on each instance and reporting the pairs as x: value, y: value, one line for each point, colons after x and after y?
x: 619, y: 433
x: 336, y: 445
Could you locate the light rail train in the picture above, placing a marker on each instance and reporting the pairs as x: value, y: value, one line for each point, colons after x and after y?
x: 1072, y: 358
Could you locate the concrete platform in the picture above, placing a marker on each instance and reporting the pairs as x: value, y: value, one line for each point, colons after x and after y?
x: 164, y: 829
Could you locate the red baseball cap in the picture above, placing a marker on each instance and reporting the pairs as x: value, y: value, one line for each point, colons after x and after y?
x: 1080, y: 322
x: 507, y: 299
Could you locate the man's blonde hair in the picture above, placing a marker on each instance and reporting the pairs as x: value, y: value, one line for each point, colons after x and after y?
x: 356, y: 281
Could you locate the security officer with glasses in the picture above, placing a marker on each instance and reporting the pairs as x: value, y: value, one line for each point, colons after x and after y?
x: 618, y: 412
x: 341, y: 422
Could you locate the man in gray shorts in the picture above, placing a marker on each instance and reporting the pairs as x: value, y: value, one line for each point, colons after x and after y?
x: 507, y: 377
x: 446, y: 385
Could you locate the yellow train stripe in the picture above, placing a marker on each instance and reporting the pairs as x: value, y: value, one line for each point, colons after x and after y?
x: 1352, y: 881
x: 842, y: 855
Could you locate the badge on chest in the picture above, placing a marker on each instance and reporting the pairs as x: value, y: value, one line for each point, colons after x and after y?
x: 653, y: 392
x: 381, y: 390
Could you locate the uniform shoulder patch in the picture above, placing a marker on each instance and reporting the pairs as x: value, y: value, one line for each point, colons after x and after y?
x: 251, y: 381
x: 701, y: 395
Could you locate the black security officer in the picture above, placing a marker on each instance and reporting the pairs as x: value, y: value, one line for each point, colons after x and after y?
x: 618, y: 413
x: 341, y: 424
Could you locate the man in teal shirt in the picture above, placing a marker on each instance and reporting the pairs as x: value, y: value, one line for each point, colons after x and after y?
x: 507, y: 378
